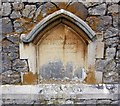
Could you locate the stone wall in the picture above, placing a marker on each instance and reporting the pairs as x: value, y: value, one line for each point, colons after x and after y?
x: 20, y: 17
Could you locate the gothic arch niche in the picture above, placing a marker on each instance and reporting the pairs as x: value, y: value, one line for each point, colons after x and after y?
x: 59, y: 46
x: 61, y: 51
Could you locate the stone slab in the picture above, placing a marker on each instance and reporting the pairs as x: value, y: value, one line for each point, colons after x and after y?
x: 100, y: 50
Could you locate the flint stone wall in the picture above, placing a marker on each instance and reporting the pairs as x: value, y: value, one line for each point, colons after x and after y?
x: 21, y: 17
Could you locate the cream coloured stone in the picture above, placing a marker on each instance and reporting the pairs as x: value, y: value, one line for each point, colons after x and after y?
x: 27, y: 51
x: 98, y: 76
x: 100, y: 50
x: 91, y: 55
x: 99, y: 36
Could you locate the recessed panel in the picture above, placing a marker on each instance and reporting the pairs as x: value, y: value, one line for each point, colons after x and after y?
x: 61, y: 54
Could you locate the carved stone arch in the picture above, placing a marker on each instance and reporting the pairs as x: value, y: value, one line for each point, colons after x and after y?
x: 59, y: 15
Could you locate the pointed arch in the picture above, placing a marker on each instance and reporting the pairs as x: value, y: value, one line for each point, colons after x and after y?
x: 52, y: 18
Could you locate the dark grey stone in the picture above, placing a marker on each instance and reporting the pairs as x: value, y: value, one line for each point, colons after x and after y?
x: 91, y: 4
x: 81, y: 9
x: 20, y: 65
x: 98, y: 10
x: 100, y: 65
x: 6, y: 25
x: 110, y: 53
x: 13, y: 55
x: 114, y: 8
x: 111, y: 77
x: 15, y: 14
x: 18, y: 27
x: 53, y: 70
x: 111, y: 32
x: 6, y: 62
x: 13, y: 38
x: 18, y: 5
x: 5, y: 45
x: 6, y: 9
x: 10, y: 77
x: 110, y: 66
x: 10, y: 48
x: 118, y: 54
x: 112, y: 42
x: 69, y: 70
x: 78, y: 73
x: 116, y: 22
x: 105, y: 23
x: 29, y: 11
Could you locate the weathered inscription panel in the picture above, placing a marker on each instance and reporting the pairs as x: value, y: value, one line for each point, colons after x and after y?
x: 60, y: 48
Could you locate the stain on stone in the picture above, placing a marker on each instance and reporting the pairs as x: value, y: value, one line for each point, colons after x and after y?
x: 78, y: 73
x: 90, y: 79
x: 29, y: 78
x: 69, y: 70
x: 53, y: 70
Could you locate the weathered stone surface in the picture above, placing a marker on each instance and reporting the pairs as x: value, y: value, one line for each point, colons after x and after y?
x: 115, y: 20
x: 69, y: 70
x: 115, y: 102
x: 111, y: 32
x: 78, y: 9
x: 15, y: 14
x: 69, y: 102
x: 47, y: 93
x: 29, y: 11
x: 29, y: 78
x: 118, y: 54
x: 44, y: 10
x: 18, y: 27
x: 78, y: 73
x: 93, y: 22
x: 9, y: 47
x: 18, y: 6
x: 6, y: 62
x: 110, y: 53
x: 111, y: 77
x: 6, y: 25
x: 111, y: 65
x: 19, y: 65
x: 114, y: 8
x: 99, y: 23
x: 112, y: 42
x: 13, y: 38
x: 98, y: 10
x: 10, y: 77
x: 105, y: 65
x: 13, y: 55
x: 91, y: 4
x: 104, y: 23
x: 100, y: 65
x: 52, y: 70
x: 100, y: 49
x: 6, y: 9
x: 103, y: 102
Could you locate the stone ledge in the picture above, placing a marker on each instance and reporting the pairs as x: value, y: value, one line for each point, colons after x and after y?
x: 64, y: 91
